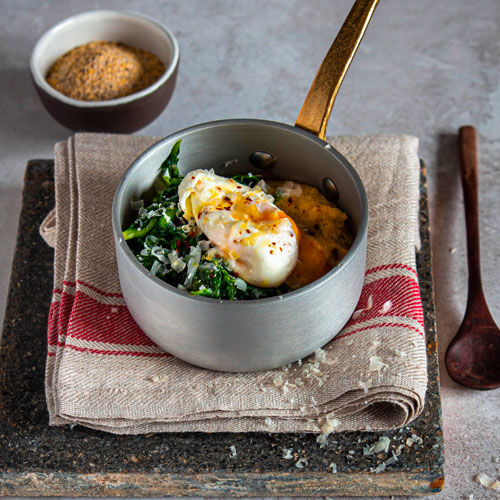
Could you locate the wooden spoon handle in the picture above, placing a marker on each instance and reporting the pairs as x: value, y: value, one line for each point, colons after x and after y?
x: 469, y: 170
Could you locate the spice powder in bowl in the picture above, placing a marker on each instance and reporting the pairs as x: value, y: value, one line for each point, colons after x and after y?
x: 102, y: 71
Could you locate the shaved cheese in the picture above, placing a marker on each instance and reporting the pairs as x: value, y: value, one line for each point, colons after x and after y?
x: 299, y: 382
x: 379, y: 468
x: 287, y: 453
x: 369, y: 304
x: 262, y: 185
x: 483, y: 480
x: 322, y: 440
x: 330, y: 425
x: 155, y: 267
x: 392, y: 459
x: 333, y: 466
x: 269, y: 422
x: 381, y: 445
x: 495, y: 486
x: 240, y: 284
x: 177, y: 263
x: 204, y: 244
x: 326, y: 429
x: 301, y: 462
x: 192, y: 265
x: 487, y: 482
x: 320, y: 355
x: 151, y: 239
x: 356, y: 314
x: 159, y: 253
x: 386, y: 307
x: 190, y: 226
x: 288, y: 189
x: 417, y: 439
x: 233, y: 450
x: 377, y: 365
x: 366, y: 385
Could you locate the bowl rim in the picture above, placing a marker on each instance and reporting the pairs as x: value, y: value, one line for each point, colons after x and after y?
x: 361, y: 234
x: 41, y: 82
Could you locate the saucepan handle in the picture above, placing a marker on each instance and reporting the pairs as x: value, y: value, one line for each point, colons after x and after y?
x: 318, y: 105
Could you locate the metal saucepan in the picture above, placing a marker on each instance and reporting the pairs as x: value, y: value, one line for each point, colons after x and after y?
x: 265, y: 333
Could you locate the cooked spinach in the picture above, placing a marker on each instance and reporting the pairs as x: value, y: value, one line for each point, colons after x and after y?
x: 176, y: 251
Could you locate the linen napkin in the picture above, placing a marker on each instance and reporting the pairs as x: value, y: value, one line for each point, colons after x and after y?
x: 105, y: 373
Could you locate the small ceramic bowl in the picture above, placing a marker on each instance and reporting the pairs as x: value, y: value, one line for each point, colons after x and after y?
x: 123, y: 115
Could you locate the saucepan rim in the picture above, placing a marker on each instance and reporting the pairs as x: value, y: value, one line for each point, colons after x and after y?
x: 358, y: 240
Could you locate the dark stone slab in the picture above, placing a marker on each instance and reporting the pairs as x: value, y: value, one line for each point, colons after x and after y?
x: 75, y: 461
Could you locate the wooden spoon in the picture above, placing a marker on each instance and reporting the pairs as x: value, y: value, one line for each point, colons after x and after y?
x: 473, y: 356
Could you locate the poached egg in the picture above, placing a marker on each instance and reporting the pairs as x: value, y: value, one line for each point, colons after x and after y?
x: 248, y: 231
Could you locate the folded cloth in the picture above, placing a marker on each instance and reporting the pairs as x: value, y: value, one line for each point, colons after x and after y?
x: 104, y: 372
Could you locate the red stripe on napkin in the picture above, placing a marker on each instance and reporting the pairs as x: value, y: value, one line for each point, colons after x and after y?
x: 93, y: 321
x: 403, y: 293
x: 85, y: 319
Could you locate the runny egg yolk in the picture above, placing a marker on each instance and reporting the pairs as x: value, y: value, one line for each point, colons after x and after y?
x: 312, y: 262
x: 257, y: 240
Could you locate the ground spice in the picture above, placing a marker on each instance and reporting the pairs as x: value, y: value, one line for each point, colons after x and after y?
x: 100, y: 71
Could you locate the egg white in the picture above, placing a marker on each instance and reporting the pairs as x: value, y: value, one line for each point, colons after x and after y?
x: 253, y: 236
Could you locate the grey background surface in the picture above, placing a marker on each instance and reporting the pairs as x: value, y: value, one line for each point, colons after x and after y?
x: 424, y: 68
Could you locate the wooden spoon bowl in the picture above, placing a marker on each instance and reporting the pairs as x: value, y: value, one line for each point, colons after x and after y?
x: 472, y: 358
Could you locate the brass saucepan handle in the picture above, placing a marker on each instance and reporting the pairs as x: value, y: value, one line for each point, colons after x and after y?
x: 318, y: 105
